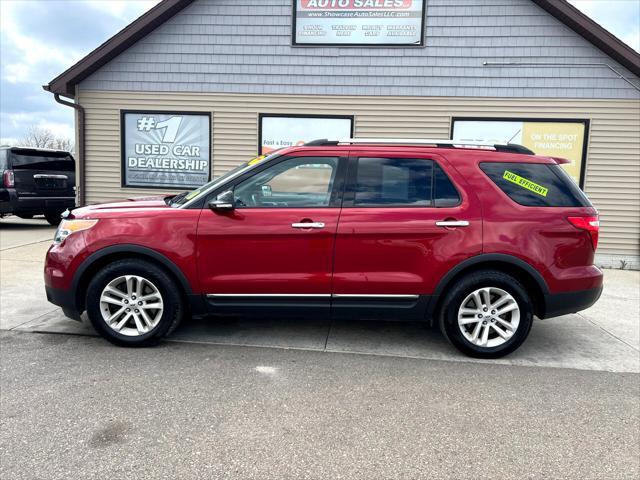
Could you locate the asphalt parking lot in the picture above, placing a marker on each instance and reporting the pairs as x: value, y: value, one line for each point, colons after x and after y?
x: 236, y: 398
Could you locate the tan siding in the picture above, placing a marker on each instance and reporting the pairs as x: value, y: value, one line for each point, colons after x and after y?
x: 613, y: 171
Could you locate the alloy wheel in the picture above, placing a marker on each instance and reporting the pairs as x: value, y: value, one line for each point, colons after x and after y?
x: 131, y: 305
x: 488, y: 317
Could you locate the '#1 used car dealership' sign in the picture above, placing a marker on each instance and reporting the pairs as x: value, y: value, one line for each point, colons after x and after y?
x: 358, y: 22
x: 165, y: 149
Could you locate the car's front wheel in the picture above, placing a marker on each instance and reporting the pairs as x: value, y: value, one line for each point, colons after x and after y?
x: 53, y: 218
x: 487, y: 314
x: 133, y: 303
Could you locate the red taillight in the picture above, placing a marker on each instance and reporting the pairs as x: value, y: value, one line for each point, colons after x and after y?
x: 8, y: 180
x: 591, y: 224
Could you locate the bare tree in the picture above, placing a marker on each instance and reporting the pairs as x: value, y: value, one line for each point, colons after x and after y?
x: 39, y: 137
x: 63, y: 143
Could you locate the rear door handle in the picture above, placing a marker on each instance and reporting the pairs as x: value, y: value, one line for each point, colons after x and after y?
x: 453, y: 223
x: 308, y: 225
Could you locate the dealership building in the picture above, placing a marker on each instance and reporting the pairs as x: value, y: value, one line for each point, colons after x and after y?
x: 195, y: 87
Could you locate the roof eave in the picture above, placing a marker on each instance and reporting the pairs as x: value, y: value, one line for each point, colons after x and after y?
x: 64, y: 84
x: 593, y: 32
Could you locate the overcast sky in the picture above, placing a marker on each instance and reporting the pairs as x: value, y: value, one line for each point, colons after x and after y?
x: 41, y: 38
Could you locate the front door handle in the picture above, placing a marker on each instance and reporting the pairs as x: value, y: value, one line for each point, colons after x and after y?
x: 453, y: 223
x: 308, y: 225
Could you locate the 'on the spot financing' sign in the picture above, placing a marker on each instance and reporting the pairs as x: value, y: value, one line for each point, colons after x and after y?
x: 358, y: 22
x: 566, y: 138
x: 165, y: 149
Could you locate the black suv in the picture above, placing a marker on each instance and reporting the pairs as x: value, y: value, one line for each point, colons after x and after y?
x: 36, y: 181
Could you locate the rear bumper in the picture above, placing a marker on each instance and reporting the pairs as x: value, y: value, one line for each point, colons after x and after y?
x: 557, y: 304
x: 10, y: 202
x: 64, y: 299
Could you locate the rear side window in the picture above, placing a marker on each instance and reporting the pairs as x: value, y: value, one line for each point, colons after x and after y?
x: 3, y: 159
x: 393, y: 182
x: 444, y: 193
x: 403, y: 182
x: 535, y: 184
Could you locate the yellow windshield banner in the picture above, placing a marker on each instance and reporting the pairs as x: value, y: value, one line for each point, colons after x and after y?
x: 192, y: 194
x: 524, y: 183
x: 257, y: 159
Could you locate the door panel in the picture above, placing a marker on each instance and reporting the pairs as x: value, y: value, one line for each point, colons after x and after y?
x: 385, y: 254
x: 257, y: 251
x: 275, y: 248
x: 401, y: 250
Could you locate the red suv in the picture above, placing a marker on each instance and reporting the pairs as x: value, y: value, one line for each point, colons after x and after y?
x: 474, y: 238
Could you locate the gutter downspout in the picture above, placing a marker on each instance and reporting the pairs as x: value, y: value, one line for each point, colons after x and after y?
x: 81, y: 143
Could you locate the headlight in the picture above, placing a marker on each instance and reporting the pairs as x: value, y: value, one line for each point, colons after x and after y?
x: 67, y: 227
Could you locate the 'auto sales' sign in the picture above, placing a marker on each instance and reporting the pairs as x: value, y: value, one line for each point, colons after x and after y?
x: 358, y: 22
x: 165, y: 149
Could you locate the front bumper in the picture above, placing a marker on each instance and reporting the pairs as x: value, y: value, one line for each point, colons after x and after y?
x: 64, y: 299
x: 557, y: 304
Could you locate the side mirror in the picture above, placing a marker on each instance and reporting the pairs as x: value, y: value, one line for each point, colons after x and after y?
x: 223, y: 202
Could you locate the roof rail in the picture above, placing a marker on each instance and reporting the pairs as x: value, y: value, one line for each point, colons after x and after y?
x: 499, y: 147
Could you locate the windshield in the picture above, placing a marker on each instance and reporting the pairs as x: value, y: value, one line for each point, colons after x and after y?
x: 184, y: 197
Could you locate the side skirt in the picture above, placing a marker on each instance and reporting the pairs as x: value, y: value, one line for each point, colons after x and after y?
x: 342, y: 306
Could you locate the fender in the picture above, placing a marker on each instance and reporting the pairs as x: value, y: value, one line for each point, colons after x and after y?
x: 479, y: 259
x: 130, y: 248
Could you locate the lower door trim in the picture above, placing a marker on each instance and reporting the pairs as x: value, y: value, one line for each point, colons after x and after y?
x: 374, y: 296
x: 313, y: 295
x: 340, y: 305
x: 269, y: 295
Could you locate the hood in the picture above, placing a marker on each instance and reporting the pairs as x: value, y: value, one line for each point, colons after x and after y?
x: 137, y: 203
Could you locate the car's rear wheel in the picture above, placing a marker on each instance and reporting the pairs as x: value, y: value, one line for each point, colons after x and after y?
x: 134, y: 303
x: 487, y: 314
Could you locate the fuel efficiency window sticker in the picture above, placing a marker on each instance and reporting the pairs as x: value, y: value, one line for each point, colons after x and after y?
x: 525, y: 183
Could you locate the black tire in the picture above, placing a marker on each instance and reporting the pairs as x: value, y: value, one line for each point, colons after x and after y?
x: 53, y: 218
x: 464, y: 287
x: 172, y: 300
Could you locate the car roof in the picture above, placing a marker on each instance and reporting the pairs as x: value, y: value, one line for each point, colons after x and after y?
x: 426, y: 142
x: 457, y: 153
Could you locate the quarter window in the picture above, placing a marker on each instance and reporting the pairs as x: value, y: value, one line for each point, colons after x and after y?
x: 292, y: 183
x: 536, y: 184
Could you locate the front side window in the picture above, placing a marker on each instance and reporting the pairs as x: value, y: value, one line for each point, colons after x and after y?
x: 393, y: 182
x: 292, y: 183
